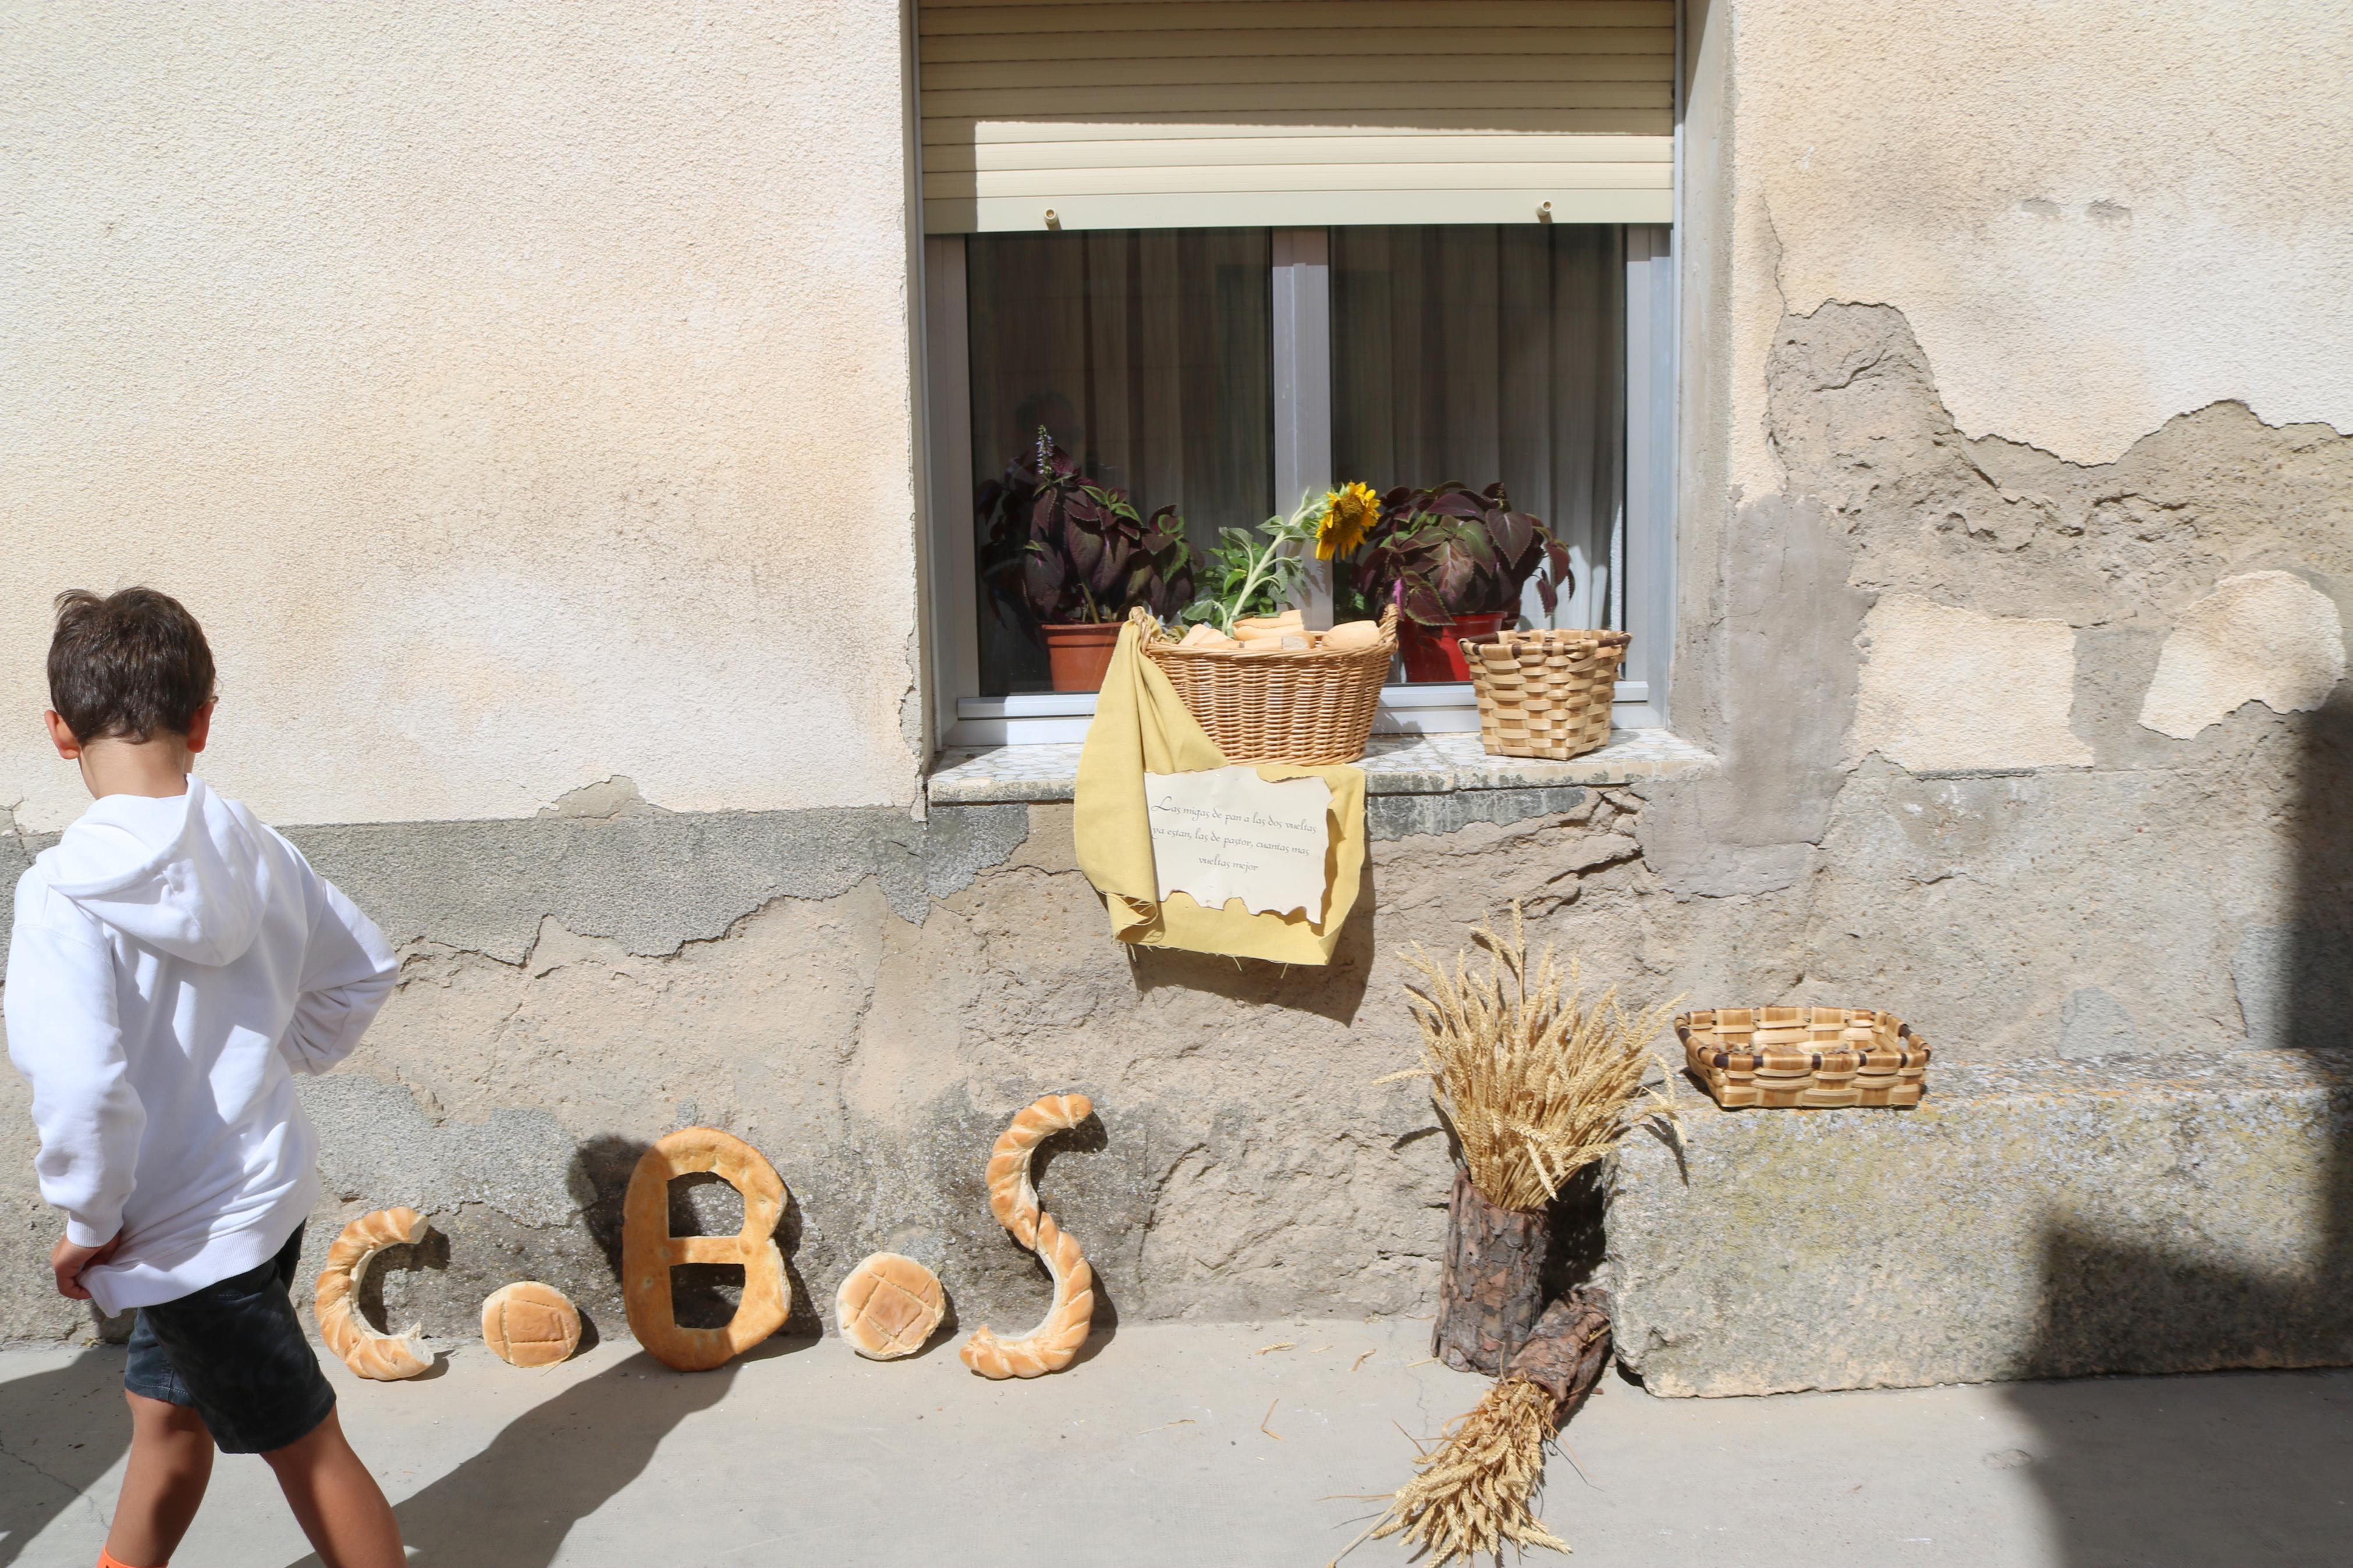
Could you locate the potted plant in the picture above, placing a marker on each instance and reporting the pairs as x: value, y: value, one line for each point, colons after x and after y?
x: 1455, y: 562
x: 1068, y: 558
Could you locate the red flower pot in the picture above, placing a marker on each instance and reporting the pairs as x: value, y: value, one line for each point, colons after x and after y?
x: 1431, y: 654
x: 1077, y: 657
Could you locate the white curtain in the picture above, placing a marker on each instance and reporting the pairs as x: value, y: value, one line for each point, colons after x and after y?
x: 1482, y: 353
x: 1147, y: 354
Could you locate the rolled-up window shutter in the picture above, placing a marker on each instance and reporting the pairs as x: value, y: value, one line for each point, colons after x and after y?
x: 1202, y: 113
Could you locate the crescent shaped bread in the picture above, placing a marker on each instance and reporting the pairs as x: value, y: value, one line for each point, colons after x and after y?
x: 529, y: 1324
x: 889, y: 1306
x: 1011, y: 1196
x: 648, y: 1251
x: 386, y: 1358
x: 1055, y: 1343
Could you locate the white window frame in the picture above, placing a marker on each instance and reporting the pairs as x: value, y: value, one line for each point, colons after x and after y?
x: 1300, y: 282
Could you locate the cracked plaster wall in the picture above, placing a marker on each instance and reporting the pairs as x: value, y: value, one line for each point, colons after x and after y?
x: 488, y: 380
x: 868, y: 997
x: 1247, y: 1161
x: 2096, y: 217
x: 1998, y: 324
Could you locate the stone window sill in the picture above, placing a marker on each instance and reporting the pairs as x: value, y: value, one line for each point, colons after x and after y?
x: 1393, y: 765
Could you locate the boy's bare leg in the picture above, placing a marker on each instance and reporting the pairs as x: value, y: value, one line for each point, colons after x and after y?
x: 163, y: 1484
x: 336, y: 1501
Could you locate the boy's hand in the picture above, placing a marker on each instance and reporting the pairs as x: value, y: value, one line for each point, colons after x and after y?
x: 67, y: 1261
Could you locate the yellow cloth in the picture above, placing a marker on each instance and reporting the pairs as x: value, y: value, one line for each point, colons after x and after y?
x: 1142, y: 726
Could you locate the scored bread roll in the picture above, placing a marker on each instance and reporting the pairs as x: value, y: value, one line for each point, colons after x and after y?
x: 889, y: 1306
x: 529, y: 1324
x: 386, y: 1358
x: 1349, y: 635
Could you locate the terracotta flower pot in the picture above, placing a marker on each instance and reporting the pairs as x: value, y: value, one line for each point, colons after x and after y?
x: 1430, y: 652
x: 1077, y: 656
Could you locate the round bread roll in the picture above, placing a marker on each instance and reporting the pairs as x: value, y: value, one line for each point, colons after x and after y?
x: 1351, y: 635
x: 529, y: 1324
x: 889, y: 1307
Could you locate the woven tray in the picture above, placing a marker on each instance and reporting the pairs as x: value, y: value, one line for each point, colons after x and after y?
x: 1545, y: 693
x: 1822, y: 1056
x: 1314, y: 708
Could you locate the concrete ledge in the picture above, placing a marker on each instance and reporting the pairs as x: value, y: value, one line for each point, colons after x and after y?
x: 1394, y: 764
x: 2177, y: 1214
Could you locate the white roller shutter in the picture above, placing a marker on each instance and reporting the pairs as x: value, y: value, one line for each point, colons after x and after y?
x: 1185, y: 113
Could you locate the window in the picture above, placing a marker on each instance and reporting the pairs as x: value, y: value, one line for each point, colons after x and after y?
x: 1146, y: 356
x: 1488, y: 352
x: 1225, y: 371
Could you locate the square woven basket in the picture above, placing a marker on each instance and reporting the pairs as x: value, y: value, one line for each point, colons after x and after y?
x: 1825, y: 1058
x: 1545, y: 693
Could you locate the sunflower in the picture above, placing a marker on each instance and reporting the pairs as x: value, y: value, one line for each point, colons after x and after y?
x: 1348, y: 512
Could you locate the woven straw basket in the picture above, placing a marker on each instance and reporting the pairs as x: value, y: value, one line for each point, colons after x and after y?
x: 1313, y: 706
x: 1824, y: 1057
x: 1545, y: 693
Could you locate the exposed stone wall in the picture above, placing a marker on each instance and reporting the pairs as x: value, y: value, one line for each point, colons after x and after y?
x: 1950, y: 783
x: 573, y: 990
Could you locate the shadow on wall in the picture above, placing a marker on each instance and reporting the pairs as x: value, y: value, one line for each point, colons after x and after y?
x: 63, y: 1428
x: 1335, y: 992
x: 2248, y: 1468
x: 703, y: 1295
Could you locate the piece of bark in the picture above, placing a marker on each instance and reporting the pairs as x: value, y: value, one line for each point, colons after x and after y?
x: 1490, y: 1290
x: 1567, y: 1350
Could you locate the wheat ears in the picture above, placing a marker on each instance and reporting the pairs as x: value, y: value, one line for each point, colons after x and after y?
x: 1536, y: 1083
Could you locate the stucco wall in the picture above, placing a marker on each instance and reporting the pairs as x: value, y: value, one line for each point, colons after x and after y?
x: 520, y: 395
x: 2095, y: 216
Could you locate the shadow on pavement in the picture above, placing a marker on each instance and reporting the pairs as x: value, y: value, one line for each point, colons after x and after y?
x: 60, y: 1430
x: 515, y: 1502
x: 2198, y: 1472
x: 2216, y: 1471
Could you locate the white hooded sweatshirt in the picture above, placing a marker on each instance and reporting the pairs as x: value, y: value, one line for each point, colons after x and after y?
x: 174, y: 964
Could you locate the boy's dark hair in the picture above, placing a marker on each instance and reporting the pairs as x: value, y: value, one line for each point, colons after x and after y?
x: 128, y: 665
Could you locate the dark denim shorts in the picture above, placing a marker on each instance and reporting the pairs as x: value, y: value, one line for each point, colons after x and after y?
x: 235, y: 1352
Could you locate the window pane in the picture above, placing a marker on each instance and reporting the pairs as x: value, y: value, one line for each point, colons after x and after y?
x: 1483, y: 354
x: 1146, y: 354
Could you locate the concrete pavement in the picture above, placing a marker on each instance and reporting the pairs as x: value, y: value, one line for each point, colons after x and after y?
x: 1181, y: 1444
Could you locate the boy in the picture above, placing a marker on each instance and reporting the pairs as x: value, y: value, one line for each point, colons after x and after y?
x: 174, y: 964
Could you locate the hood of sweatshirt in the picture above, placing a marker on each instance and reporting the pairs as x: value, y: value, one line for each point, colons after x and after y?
x: 187, y: 874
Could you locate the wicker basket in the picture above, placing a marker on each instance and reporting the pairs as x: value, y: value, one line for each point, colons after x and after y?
x: 1313, y: 706
x: 1545, y: 693
x: 1825, y: 1057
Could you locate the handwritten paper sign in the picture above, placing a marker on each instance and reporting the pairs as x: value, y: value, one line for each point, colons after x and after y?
x: 1228, y: 834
